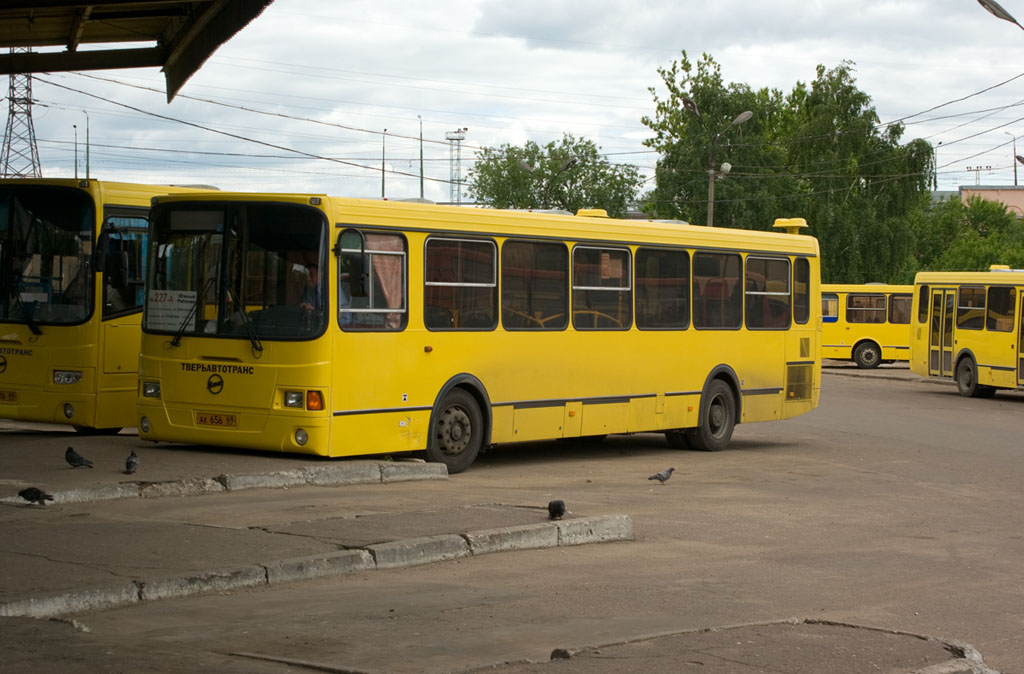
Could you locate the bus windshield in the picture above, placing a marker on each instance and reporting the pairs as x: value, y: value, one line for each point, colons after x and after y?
x: 241, y: 270
x: 46, y: 243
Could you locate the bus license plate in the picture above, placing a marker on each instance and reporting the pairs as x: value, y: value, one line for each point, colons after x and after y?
x: 8, y: 396
x: 217, y: 419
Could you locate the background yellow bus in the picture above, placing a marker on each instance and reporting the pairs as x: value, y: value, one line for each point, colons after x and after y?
x: 967, y: 327
x: 866, y: 323
x: 70, y: 309
x: 449, y: 329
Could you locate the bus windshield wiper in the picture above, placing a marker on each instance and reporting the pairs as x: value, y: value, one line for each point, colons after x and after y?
x: 191, y: 313
x: 29, y: 320
x: 250, y: 326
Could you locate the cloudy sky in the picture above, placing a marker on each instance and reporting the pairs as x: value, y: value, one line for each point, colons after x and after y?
x: 299, y: 100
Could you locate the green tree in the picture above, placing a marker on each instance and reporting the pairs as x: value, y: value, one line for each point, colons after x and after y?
x: 953, y: 236
x: 819, y: 153
x: 569, y: 174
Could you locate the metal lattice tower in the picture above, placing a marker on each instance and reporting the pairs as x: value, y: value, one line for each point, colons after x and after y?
x: 20, y: 152
x: 455, y: 139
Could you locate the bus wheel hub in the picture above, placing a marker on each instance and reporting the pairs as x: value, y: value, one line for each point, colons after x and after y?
x: 454, y: 430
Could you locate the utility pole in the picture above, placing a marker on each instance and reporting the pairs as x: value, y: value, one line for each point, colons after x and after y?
x: 20, y: 151
x: 383, y: 137
x: 421, y: 155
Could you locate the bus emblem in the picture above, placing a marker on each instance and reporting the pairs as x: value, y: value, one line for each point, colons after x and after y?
x: 215, y: 384
x: 3, y: 364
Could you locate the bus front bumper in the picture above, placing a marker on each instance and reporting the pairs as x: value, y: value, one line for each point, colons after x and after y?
x: 300, y: 433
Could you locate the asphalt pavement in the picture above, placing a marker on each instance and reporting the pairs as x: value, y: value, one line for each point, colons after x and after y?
x: 61, y: 564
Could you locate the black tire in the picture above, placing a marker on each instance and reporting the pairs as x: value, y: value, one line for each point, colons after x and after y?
x: 457, y: 432
x: 967, y: 380
x: 867, y: 355
x: 717, y: 419
x: 677, y: 439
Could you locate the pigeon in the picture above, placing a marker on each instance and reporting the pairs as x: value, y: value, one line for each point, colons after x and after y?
x: 663, y: 475
x: 556, y: 509
x: 35, y: 495
x: 131, y: 464
x: 76, y: 460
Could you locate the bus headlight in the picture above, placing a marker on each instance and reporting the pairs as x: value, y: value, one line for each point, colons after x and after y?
x: 144, y: 424
x: 293, y: 399
x: 69, y: 410
x: 151, y: 389
x: 300, y: 437
x: 67, y: 376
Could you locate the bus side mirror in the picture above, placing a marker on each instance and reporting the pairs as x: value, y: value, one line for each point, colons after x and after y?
x: 100, y: 257
x: 350, y: 249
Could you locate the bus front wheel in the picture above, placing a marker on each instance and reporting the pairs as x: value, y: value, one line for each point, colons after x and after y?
x: 867, y: 355
x: 717, y: 419
x: 967, y: 381
x: 458, y: 431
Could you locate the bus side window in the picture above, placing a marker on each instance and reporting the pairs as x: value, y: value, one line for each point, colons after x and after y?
x: 970, y: 308
x: 124, y: 273
x: 717, y: 291
x: 865, y: 308
x: 382, y: 305
x: 899, y: 308
x: 829, y: 307
x: 662, y: 288
x: 460, y: 284
x: 767, y: 293
x: 534, y: 286
x: 1002, y: 303
x: 922, y: 305
x: 601, y: 289
x: 801, y: 291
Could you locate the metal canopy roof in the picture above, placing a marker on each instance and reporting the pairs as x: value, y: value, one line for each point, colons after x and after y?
x: 180, y: 34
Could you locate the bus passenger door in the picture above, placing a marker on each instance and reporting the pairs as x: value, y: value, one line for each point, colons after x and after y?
x: 1020, y: 341
x: 940, y: 340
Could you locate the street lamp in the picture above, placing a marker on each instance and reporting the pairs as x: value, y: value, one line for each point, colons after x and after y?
x: 421, y: 155
x: 383, y: 137
x: 690, y: 105
x: 75, y: 127
x: 1014, y: 154
x: 997, y: 11
x: 546, y: 188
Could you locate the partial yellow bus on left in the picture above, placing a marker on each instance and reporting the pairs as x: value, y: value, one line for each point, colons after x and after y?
x: 72, y: 272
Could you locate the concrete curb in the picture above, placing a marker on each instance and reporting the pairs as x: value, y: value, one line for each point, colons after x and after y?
x: 317, y: 476
x: 392, y: 555
x: 873, y: 374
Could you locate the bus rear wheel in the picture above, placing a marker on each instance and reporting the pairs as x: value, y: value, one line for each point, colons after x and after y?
x: 717, y: 419
x: 867, y: 355
x: 967, y: 381
x: 458, y: 431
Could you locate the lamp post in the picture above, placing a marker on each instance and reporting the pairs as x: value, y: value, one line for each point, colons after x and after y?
x: 421, y: 155
x: 690, y: 105
x: 546, y: 188
x: 383, y: 137
x: 1015, y: 155
x: 86, y: 144
x: 75, y: 127
x: 997, y: 11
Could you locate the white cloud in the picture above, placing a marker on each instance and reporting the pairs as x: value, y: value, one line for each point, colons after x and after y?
x: 512, y: 72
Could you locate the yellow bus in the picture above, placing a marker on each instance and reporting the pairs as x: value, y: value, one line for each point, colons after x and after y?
x: 71, y: 283
x: 968, y: 328
x: 447, y: 329
x: 867, y: 323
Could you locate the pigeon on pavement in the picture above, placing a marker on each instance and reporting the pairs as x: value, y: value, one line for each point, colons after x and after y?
x: 35, y: 495
x: 131, y: 464
x: 556, y: 509
x: 663, y: 475
x: 76, y: 460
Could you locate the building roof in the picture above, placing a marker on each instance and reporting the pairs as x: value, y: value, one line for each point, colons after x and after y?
x: 175, y: 35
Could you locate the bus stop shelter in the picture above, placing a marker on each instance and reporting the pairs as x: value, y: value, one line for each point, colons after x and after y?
x: 175, y: 35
